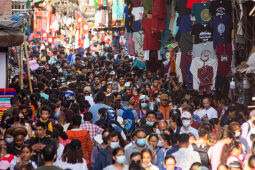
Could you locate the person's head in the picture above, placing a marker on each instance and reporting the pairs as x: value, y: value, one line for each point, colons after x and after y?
x: 175, y: 120
x: 155, y: 83
x: 234, y: 149
x: 162, y: 124
x: 223, y: 102
x: 135, y: 158
x: 153, y: 140
x: 105, y: 136
x: 195, y: 165
x: 236, y: 127
x: 203, y: 132
x: 40, y: 130
x: 169, y: 162
x: 140, y: 137
x: 113, y: 140
x: 8, y: 135
x: 19, y: 135
x: 99, y: 97
x: 146, y: 157
x: 252, y: 115
x: 222, y: 167
x: 164, y: 99
x: 143, y: 101
x: 215, y: 122
x: 88, y: 117
x: 45, y: 112
x: 76, y: 120
x: 165, y: 140
x: 251, y: 162
x: 26, y: 153
x: 49, y: 153
x: 235, y: 166
x: 151, y: 118
x: 206, y: 102
x: 118, y: 155
x: 227, y: 135
x: 73, y: 153
x: 212, y: 139
x: 186, y: 119
x: 3, y: 148
x: 183, y: 140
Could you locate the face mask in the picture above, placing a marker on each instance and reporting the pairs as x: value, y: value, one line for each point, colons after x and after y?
x: 146, y: 166
x: 186, y: 123
x: 159, y: 132
x: 149, y: 123
x: 144, y: 105
x: 8, y: 140
x: 237, y: 134
x: 141, y: 142
x: 158, y: 100
x: 114, y: 145
x: 121, y: 159
x: 58, y: 67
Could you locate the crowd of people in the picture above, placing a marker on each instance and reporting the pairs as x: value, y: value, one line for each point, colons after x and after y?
x: 105, y: 111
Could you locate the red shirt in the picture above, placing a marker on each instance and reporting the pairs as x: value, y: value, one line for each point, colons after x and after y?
x: 224, y: 53
x: 190, y: 2
x: 151, y: 39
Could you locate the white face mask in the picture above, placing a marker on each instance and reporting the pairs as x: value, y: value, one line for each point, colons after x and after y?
x: 185, y: 123
x: 121, y: 159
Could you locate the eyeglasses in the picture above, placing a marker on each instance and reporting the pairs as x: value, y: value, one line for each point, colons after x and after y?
x: 143, y: 101
x: 135, y: 161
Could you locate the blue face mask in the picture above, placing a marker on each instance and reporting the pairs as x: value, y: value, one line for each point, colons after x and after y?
x: 144, y: 105
x: 114, y: 145
x: 8, y: 140
x: 146, y: 166
x: 141, y: 142
x: 149, y: 123
x: 185, y: 123
x: 121, y: 159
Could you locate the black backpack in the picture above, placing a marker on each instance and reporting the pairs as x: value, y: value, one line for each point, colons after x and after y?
x: 203, y: 153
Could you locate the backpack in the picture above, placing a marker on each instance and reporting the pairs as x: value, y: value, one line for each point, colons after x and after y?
x: 203, y: 153
x: 128, y: 118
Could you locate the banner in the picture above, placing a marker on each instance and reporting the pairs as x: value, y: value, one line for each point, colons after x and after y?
x: 40, y: 21
x: 3, y: 70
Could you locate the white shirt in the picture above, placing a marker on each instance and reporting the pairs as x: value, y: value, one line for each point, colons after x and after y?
x: 211, y: 113
x: 137, y: 12
x: 190, y: 130
x: 76, y: 166
x: 90, y: 100
x: 185, y: 158
x: 247, y: 130
x: 200, y: 113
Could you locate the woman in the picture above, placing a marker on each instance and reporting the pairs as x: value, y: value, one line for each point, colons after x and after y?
x: 118, y: 156
x: 143, y: 106
x: 34, y: 105
x: 5, y: 158
x: 169, y: 163
x: 146, y: 160
x: 19, y: 135
x: 19, y: 121
x: 164, y: 142
x: 26, y: 154
x: 215, y: 151
x: 175, y: 120
x: 232, y: 153
x: 158, y: 152
x: 73, y: 157
x: 59, y: 146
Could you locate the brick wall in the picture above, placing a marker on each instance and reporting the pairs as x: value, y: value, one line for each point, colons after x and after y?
x: 5, y: 9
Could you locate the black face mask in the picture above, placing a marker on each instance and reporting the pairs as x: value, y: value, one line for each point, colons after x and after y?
x: 105, y: 140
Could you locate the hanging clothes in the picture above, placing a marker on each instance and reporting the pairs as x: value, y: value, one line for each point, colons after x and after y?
x: 224, y: 53
x: 159, y: 15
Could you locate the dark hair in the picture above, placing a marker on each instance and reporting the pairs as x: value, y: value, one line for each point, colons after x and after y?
x: 177, y: 119
x: 26, y: 146
x: 151, y: 113
x: 45, y: 108
x: 169, y: 157
x: 222, y: 164
x: 203, y: 131
x: 116, y: 151
x: 166, y: 138
x: 183, y: 138
x: 48, y: 153
x: 134, y: 154
x: 88, y: 116
x: 195, y: 164
x: 43, y: 125
x: 146, y: 150
x: 113, y: 134
x: 227, y: 149
x: 76, y: 119
x: 72, y: 156
x: 153, y: 135
x: 139, y: 130
x: 135, y: 166
x: 251, y: 161
x: 99, y: 97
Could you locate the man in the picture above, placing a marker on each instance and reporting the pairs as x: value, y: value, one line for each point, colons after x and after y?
x: 99, y: 99
x: 104, y: 157
x: 164, y: 107
x: 88, y: 97
x: 162, y: 124
x: 185, y: 157
x: 150, y: 121
x: 139, y: 145
x: 15, y: 102
x: 201, y: 145
x: 223, y: 105
x: 186, y: 125
x: 49, y: 156
x: 39, y: 141
x: 102, y: 144
x: 83, y: 135
x: 209, y: 112
x: 92, y: 128
x: 97, y: 82
x: 121, y: 84
x: 247, y: 128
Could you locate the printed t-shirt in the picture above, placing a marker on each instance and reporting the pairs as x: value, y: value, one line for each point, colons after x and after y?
x: 181, y: 8
x: 202, y: 32
x: 137, y: 12
x: 201, y: 12
x: 204, y: 48
x: 224, y: 53
x: 151, y: 39
x: 191, y: 2
x: 221, y: 7
x: 222, y: 26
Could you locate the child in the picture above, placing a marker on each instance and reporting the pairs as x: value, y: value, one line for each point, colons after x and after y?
x: 44, y: 118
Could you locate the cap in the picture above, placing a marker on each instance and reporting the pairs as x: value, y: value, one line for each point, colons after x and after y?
x: 87, y: 89
x: 143, y: 97
x: 75, y: 144
x: 252, y: 113
x: 186, y: 115
x: 163, y: 97
x: 112, y: 73
x: 127, y: 84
